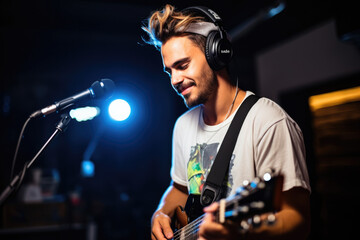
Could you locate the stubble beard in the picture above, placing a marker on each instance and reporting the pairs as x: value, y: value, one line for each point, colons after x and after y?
x: 206, y: 88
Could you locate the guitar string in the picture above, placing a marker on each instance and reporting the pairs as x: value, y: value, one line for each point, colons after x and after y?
x: 188, y: 232
x: 188, y: 229
x: 194, y: 224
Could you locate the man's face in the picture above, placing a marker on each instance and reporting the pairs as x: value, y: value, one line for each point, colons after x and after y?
x: 190, y: 74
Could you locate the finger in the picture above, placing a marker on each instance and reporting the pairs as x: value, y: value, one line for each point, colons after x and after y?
x: 212, y: 207
x: 208, y: 217
x: 210, y: 229
x: 166, y: 229
x: 212, y: 232
x: 153, y: 236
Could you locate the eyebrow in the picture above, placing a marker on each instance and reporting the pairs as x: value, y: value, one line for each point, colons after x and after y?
x: 185, y: 59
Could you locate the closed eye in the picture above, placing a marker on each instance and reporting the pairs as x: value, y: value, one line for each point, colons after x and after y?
x: 183, y: 66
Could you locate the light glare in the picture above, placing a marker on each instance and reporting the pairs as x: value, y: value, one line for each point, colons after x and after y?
x: 84, y: 114
x: 87, y: 168
x: 119, y: 110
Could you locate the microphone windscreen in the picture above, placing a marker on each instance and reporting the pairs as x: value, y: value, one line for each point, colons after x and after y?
x: 103, y: 88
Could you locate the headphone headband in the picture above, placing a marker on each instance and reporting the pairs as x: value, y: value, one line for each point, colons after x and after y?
x: 202, y: 28
x: 212, y: 15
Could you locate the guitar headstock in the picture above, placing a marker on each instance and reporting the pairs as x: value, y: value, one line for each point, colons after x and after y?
x: 262, y: 195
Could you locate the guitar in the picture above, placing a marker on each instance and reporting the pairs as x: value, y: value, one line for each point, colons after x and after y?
x: 262, y: 195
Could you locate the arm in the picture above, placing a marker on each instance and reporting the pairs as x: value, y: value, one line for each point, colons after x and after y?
x: 292, y: 221
x: 174, y: 196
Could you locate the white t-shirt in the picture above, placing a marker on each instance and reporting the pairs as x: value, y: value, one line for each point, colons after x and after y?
x: 269, y: 138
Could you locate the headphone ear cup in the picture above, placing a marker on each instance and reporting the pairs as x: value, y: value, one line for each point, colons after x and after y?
x: 218, y: 51
x: 210, y: 50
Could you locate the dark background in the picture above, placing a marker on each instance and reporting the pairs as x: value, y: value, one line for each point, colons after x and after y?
x: 53, y: 49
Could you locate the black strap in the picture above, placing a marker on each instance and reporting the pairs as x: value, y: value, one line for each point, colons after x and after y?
x: 211, y: 190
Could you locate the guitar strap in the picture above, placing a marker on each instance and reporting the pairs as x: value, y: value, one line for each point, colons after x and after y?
x: 212, y: 187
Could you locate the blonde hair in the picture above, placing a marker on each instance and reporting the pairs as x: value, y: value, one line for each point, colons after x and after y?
x: 166, y: 23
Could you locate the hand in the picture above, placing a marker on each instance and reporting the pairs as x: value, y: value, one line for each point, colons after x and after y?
x: 209, y: 229
x: 160, y: 226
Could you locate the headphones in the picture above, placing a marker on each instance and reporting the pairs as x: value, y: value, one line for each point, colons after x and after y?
x: 218, y: 49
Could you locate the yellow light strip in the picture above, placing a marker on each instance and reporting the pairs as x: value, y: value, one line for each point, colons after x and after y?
x: 334, y: 98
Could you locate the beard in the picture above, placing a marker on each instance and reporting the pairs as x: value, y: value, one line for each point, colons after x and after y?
x: 206, y: 86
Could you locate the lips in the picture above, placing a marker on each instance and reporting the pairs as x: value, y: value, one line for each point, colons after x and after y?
x: 184, y: 87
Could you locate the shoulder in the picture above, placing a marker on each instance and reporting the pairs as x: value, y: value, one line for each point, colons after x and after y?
x: 189, y: 117
x: 267, y: 113
x: 186, y: 125
x: 267, y: 107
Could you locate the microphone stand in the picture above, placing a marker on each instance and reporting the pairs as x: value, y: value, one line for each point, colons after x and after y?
x: 16, y: 182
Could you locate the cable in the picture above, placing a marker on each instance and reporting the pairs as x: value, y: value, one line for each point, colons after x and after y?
x: 17, y: 147
x: 21, y: 178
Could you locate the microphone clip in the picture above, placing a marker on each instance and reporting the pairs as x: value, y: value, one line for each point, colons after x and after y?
x: 64, y: 122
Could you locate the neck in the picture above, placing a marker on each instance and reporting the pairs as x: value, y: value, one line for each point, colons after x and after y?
x: 223, y: 103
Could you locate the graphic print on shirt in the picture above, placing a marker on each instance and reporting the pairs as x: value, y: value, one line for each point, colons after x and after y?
x: 201, y: 159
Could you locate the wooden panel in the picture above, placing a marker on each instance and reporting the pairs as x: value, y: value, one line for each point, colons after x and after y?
x: 337, y: 149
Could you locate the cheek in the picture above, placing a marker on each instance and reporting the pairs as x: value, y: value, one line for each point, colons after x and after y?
x: 193, y: 73
x: 198, y: 70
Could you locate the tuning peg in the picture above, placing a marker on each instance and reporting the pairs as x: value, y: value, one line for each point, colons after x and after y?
x: 268, y: 175
x: 242, y: 209
x: 244, y: 226
x: 258, y: 205
x: 254, y: 184
x: 242, y: 191
x: 256, y: 221
x: 245, y: 183
x: 261, y: 185
x: 271, y: 219
x: 244, y: 187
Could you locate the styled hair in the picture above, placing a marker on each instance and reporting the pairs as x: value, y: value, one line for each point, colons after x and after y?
x: 168, y: 22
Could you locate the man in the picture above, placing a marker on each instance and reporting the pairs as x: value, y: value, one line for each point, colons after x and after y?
x: 269, y: 138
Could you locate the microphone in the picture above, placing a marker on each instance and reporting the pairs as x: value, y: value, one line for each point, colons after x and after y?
x: 99, y: 89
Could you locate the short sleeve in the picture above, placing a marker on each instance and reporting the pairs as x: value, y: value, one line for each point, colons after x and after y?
x: 281, y: 147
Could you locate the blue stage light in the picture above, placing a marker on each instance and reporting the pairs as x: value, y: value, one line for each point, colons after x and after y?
x: 276, y: 10
x: 119, y: 110
x: 87, y: 168
x: 84, y: 114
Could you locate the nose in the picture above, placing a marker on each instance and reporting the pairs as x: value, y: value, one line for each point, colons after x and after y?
x: 176, y: 78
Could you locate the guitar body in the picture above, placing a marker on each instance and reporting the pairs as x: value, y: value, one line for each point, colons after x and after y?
x: 180, y: 218
x: 193, y: 210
